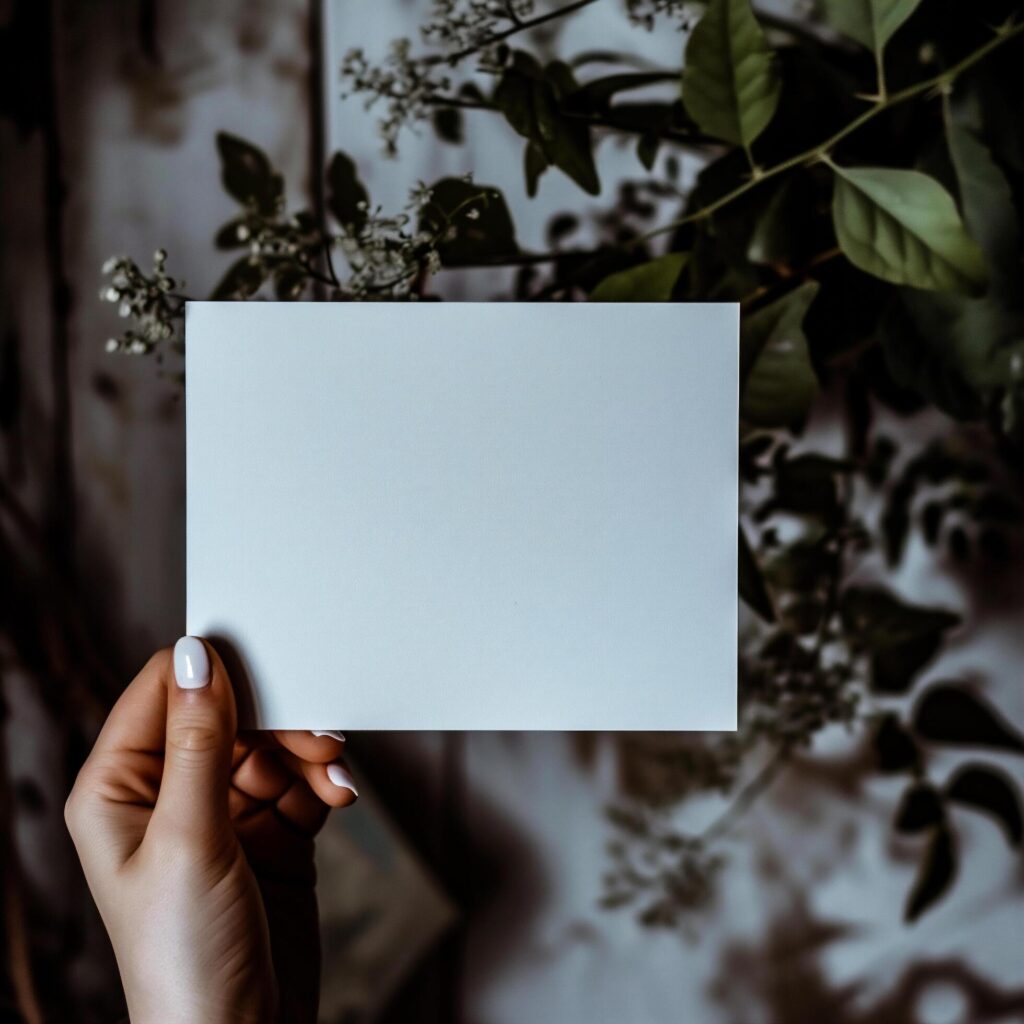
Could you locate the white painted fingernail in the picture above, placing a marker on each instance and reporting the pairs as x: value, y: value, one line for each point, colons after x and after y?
x: 333, y: 733
x: 341, y: 777
x: 191, y: 663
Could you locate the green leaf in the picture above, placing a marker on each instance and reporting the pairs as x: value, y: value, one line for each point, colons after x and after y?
x: 869, y: 22
x: 647, y: 149
x: 927, y: 353
x: 347, y: 198
x: 896, y: 518
x: 243, y: 279
x: 448, y: 124
x: 649, y: 282
x: 936, y: 874
x: 903, y: 227
x: 586, y: 269
x: 480, y: 219
x: 289, y: 282
x: 920, y: 808
x: 900, y: 639
x: 730, y: 81
x: 785, y: 232
x: 894, y: 747
x: 956, y: 351
x: 535, y: 163
x: 778, y: 384
x: 986, y: 198
x: 753, y: 588
x: 247, y: 175
x: 513, y: 96
x: 990, y: 790
x: 806, y: 485
x: 953, y: 713
x: 531, y: 101
x: 975, y: 343
x: 233, y: 235
x: 561, y: 78
x: 565, y: 140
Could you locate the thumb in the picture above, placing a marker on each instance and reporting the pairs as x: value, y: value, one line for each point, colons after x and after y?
x: 200, y: 735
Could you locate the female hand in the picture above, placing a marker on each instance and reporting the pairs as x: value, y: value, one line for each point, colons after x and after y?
x: 197, y: 846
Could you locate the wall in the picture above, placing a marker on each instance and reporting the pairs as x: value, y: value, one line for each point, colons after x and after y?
x: 118, y: 157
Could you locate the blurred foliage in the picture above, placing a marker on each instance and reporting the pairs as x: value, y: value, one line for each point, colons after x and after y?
x: 861, y: 170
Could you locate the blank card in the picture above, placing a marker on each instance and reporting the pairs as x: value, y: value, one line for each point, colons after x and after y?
x: 466, y: 515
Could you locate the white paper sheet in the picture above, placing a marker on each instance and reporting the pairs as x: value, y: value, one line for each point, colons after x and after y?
x: 467, y: 515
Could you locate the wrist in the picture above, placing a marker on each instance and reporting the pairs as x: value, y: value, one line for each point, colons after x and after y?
x: 190, y: 1008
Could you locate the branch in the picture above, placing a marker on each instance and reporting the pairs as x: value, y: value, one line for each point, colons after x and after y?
x: 748, y: 795
x: 818, y: 152
x: 517, y: 26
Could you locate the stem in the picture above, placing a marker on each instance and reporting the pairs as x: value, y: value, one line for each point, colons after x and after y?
x: 328, y: 241
x: 510, y: 13
x: 748, y: 795
x: 316, y: 275
x: 517, y: 26
x: 880, y: 73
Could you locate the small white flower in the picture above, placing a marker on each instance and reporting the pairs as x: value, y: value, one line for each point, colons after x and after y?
x: 112, y: 345
x: 473, y: 214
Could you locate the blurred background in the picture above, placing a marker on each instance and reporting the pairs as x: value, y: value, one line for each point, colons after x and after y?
x: 476, y: 878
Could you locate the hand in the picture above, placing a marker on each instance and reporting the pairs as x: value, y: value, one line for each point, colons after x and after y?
x: 198, y: 847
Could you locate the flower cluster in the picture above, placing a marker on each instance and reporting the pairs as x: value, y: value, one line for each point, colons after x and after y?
x: 407, y: 86
x: 670, y: 875
x: 645, y: 12
x: 152, y: 301
x: 388, y: 255
x: 460, y: 25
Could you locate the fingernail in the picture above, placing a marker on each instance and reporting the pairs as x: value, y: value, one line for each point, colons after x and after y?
x: 333, y: 733
x: 191, y: 663
x: 340, y: 776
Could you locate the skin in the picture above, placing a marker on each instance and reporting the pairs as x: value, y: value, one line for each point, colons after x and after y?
x: 197, y: 844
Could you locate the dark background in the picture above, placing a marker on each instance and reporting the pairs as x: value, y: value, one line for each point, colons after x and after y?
x: 465, y: 887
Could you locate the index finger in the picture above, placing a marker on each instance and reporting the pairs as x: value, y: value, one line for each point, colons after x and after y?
x: 310, y: 746
x: 137, y: 721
